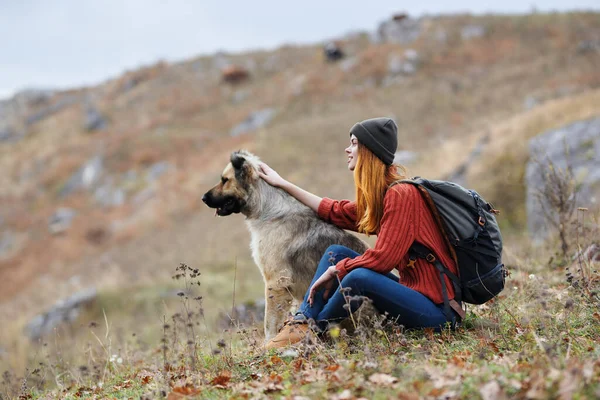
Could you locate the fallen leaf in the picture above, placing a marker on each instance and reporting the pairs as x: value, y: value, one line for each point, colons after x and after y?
x: 437, y: 392
x: 187, y: 390
x: 221, y: 380
x: 345, y: 395
x: 490, y: 391
x: 276, y: 360
x: 382, y: 379
x: 332, y: 367
x: 275, y: 378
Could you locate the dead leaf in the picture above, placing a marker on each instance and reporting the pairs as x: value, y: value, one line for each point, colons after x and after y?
x: 382, y: 379
x: 221, y: 380
x: 491, y: 391
x: 187, y: 390
x: 571, y: 380
x: 275, y: 378
x: 276, y: 360
x: 146, y: 379
x: 437, y: 392
x: 332, y: 367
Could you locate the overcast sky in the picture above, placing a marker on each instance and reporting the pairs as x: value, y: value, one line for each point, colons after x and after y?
x: 66, y: 43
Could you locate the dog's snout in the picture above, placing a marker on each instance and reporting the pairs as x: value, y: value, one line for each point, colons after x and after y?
x: 205, y: 198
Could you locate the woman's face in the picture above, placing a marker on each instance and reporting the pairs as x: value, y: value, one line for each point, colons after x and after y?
x: 352, y: 152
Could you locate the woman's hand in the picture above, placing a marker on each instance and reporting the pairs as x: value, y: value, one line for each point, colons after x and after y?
x: 270, y: 175
x: 326, y: 281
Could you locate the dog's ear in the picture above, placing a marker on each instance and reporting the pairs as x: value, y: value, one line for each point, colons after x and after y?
x: 237, y: 160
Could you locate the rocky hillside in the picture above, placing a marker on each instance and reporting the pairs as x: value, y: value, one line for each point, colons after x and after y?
x: 100, y: 186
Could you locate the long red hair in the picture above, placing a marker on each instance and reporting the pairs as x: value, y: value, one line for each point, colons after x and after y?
x: 372, y: 179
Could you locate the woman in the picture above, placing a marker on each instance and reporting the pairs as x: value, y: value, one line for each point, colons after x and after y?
x: 399, y: 216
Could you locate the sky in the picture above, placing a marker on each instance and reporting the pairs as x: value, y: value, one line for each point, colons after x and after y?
x: 69, y: 43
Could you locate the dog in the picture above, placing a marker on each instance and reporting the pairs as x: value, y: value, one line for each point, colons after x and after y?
x: 288, y: 239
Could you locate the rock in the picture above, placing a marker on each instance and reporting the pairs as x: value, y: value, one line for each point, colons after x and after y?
x: 6, y: 243
x: 405, y: 65
x: 582, y: 142
x: 254, y: 121
x: 272, y: 63
x: 459, y: 175
x: 297, y: 85
x: 157, y: 169
x: 87, y: 176
x: 239, y: 96
x: 348, y: 64
x: 333, y: 52
x: 401, y: 31
x: 9, y: 134
x: 405, y: 157
x: 411, y: 55
x: 109, y: 196
x: 94, y: 121
x: 530, y: 102
x: 220, y: 61
x: 60, y: 221
x: 441, y: 35
x: 143, y: 196
x: 588, y: 46
x: 472, y: 31
x: 45, y: 112
x: 246, y: 314
x: 64, y: 311
x: 395, y: 64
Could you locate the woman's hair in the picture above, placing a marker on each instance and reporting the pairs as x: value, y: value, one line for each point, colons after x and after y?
x: 372, y: 178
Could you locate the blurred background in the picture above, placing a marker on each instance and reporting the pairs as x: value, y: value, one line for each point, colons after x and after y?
x: 115, y: 118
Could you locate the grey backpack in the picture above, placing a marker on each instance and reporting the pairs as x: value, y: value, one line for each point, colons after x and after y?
x: 469, y: 226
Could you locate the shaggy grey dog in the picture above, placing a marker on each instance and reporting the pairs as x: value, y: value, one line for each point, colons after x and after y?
x: 287, y: 238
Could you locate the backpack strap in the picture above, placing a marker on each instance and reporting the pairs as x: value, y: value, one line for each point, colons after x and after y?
x: 421, y: 251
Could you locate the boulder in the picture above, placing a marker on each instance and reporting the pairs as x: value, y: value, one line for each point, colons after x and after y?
x: 333, y: 52
x: 459, y: 175
x: 6, y: 243
x: 94, y: 120
x: 405, y: 157
x: 86, y: 177
x: 60, y: 221
x: 472, y: 31
x: 576, y: 145
x: 109, y: 196
x: 157, y: 169
x: 64, y: 311
x: 402, y: 31
x: 47, y: 111
x: 254, y: 121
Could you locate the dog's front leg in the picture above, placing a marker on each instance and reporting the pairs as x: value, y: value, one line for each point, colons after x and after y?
x: 277, y: 307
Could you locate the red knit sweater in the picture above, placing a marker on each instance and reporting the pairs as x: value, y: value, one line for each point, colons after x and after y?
x: 406, y: 218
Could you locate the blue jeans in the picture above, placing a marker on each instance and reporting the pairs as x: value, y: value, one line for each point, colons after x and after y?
x: 403, y: 305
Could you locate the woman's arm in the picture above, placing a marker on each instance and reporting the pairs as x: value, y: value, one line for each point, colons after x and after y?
x: 272, y: 178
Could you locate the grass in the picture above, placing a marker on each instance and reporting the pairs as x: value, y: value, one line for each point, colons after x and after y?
x: 538, y: 339
x: 180, y: 113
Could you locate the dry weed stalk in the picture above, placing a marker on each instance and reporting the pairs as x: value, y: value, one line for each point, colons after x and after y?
x: 557, y: 197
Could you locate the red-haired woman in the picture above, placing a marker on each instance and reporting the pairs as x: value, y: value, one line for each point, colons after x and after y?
x: 399, y: 216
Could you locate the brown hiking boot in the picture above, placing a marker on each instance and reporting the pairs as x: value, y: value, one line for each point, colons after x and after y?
x: 291, y: 333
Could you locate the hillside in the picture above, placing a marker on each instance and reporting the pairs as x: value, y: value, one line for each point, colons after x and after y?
x: 155, y: 139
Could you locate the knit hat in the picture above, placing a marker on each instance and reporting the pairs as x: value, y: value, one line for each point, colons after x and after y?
x: 380, y: 135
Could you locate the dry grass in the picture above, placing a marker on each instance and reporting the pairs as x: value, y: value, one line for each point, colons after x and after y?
x: 182, y: 114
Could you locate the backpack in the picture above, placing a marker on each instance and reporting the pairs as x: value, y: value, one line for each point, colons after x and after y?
x: 471, y: 232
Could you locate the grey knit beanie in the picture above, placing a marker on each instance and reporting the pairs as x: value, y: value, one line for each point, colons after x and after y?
x: 380, y: 135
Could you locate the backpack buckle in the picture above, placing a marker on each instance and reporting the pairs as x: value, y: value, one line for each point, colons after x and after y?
x: 481, y: 221
x: 430, y: 258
